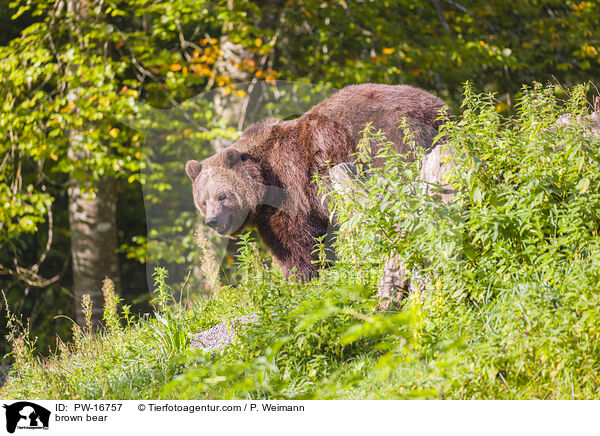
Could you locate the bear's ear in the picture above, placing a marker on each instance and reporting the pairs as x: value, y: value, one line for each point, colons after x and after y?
x: 193, y: 168
x: 230, y: 157
x: 276, y: 131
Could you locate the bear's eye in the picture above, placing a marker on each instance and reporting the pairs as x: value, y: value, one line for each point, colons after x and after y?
x: 222, y: 197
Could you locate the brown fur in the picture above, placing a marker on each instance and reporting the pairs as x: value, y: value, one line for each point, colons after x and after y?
x: 270, y: 169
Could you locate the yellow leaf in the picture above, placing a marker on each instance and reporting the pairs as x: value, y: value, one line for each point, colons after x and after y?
x: 501, y: 107
x: 387, y: 51
x: 53, y: 157
x: 258, y: 42
x: 68, y: 108
x: 175, y: 67
x: 114, y: 132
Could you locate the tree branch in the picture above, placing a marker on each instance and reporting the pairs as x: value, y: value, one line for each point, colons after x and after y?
x: 440, y: 13
x: 470, y: 14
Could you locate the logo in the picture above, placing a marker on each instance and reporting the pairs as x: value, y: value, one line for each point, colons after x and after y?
x: 26, y: 415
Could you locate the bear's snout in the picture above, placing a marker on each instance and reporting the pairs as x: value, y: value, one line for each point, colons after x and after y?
x: 220, y: 223
x: 211, y: 223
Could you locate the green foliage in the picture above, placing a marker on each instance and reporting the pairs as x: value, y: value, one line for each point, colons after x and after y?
x: 114, y: 362
x: 509, y: 268
x: 440, y: 44
x: 66, y: 72
x: 111, y: 300
x: 170, y: 333
x: 507, y: 272
x: 512, y: 234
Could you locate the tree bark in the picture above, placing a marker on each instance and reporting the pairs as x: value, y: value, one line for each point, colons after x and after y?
x: 92, y: 214
x: 92, y: 219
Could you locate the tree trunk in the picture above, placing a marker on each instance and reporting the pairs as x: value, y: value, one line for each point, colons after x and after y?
x: 92, y: 215
x: 228, y: 108
x: 93, y: 225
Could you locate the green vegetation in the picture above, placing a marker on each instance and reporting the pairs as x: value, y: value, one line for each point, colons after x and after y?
x: 72, y: 71
x: 510, y: 305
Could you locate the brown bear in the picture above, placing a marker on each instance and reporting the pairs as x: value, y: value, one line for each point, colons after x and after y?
x: 265, y: 179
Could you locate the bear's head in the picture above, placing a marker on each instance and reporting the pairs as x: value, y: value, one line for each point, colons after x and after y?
x: 226, y: 190
x: 230, y: 186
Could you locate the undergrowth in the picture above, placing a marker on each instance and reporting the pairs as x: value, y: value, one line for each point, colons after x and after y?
x: 508, y: 305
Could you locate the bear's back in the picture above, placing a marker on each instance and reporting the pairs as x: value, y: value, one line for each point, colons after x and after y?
x: 384, y: 106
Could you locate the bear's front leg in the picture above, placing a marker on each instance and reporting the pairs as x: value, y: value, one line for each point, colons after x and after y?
x: 292, y: 267
x: 292, y: 241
